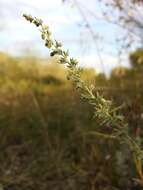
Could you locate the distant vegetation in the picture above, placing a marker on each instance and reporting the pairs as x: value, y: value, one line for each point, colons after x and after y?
x: 49, y: 139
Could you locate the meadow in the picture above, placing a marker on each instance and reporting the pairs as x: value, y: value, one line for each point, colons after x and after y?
x: 49, y: 137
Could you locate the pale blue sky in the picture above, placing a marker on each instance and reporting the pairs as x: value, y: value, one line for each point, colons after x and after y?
x: 18, y: 36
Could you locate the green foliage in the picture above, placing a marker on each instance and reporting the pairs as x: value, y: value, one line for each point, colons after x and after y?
x: 136, y: 59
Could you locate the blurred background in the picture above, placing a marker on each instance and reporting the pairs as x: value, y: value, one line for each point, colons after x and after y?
x: 90, y: 30
x: 48, y: 134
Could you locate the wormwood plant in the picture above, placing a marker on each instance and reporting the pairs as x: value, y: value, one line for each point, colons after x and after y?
x: 103, y: 109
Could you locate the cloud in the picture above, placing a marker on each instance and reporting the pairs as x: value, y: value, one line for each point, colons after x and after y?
x: 42, y: 4
x: 109, y: 62
x: 64, y: 24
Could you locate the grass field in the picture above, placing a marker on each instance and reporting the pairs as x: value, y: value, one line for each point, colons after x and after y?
x: 48, y: 137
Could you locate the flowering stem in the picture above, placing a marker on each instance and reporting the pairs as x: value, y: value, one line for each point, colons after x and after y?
x: 104, y: 109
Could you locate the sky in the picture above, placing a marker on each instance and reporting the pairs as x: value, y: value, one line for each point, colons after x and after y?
x: 18, y: 37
